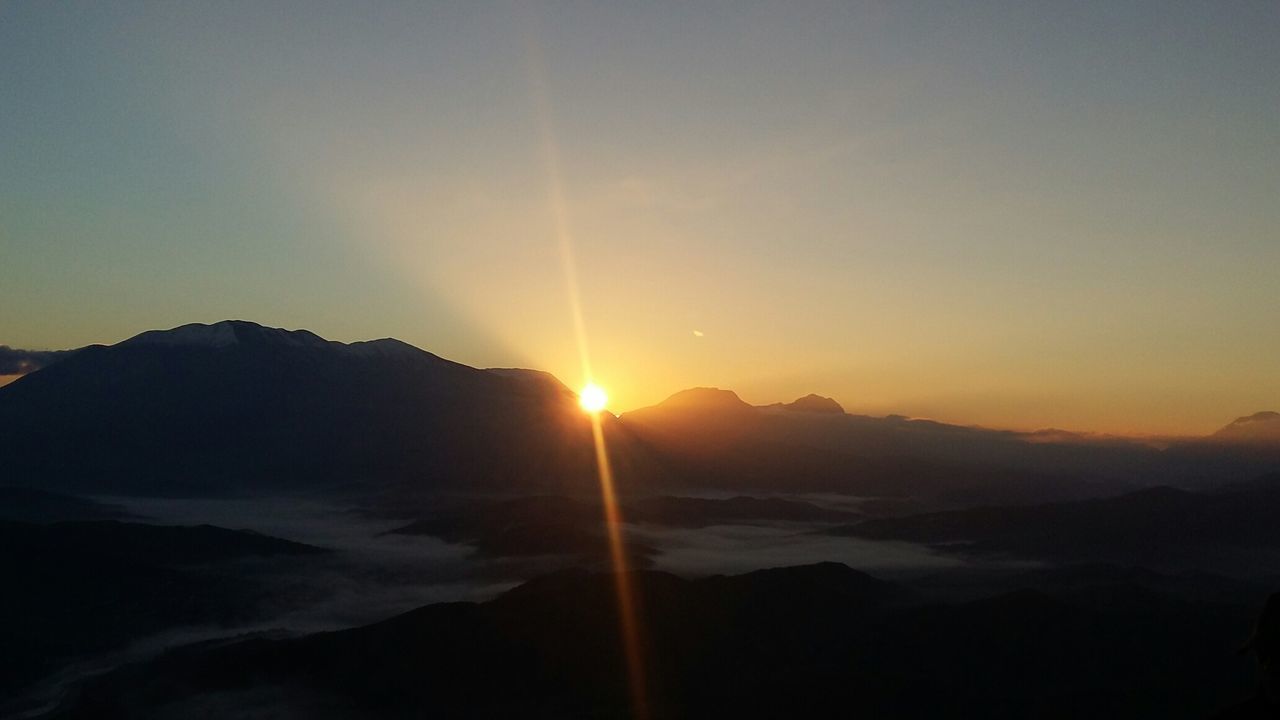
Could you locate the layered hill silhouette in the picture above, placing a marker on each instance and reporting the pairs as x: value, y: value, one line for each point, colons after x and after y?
x: 1230, y: 529
x: 502, y: 460
x: 74, y: 588
x: 812, y: 444
x: 813, y: 641
x: 558, y: 525
x: 238, y: 408
x: 711, y: 437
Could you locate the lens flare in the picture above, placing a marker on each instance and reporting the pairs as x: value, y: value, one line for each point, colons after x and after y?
x: 593, y: 398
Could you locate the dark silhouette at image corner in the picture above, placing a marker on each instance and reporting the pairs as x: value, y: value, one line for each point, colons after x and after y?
x: 1264, y: 644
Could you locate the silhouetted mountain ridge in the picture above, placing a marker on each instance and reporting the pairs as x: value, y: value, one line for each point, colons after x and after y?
x: 812, y: 403
x: 235, y: 408
x: 706, y: 399
x: 229, y: 333
x: 812, y: 444
x: 1261, y: 427
x: 238, y: 408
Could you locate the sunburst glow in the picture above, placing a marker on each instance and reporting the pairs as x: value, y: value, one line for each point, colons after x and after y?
x: 593, y: 398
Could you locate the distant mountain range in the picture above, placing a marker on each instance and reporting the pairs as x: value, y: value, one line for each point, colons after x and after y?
x: 710, y: 436
x: 1229, y: 530
x: 238, y: 408
x: 503, y: 460
x: 1263, y: 427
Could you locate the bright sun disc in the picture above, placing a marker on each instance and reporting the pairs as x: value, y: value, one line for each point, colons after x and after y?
x: 592, y: 398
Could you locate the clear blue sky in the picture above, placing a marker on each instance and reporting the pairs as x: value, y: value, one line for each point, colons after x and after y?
x: 1021, y: 214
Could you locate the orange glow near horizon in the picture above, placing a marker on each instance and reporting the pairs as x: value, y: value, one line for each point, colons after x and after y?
x: 1012, y: 253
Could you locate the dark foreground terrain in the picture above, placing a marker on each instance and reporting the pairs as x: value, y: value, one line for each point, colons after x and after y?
x: 205, y: 521
x: 812, y: 641
x: 73, y: 589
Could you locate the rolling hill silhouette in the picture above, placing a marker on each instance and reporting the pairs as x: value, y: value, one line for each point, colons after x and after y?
x: 557, y: 525
x: 238, y: 408
x: 502, y: 461
x: 1155, y: 527
x: 811, y: 641
x: 74, y: 588
x: 711, y: 437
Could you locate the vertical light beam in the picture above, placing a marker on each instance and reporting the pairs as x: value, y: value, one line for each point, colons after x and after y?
x: 628, y: 612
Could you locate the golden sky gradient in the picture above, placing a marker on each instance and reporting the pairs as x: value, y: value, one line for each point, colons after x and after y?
x: 1059, y: 215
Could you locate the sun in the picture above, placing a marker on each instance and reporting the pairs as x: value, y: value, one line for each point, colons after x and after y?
x: 592, y: 398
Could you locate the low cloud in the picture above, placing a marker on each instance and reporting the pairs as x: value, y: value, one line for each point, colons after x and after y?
x: 14, y: 361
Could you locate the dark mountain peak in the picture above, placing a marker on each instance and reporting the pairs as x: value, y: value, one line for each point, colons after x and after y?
x: 227, y: 333
x: 384, y: 348
x: 705, y: 398
x: 814, y: 404
x: 1262, y: 427
x: 236, y: 406
x: 245, y: 334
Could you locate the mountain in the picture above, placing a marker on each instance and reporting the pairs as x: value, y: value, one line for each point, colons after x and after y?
x: 238, y: 408
x: 812, y: 403
x: 1262, y: 428
x: 812, y: 444
x: 78, y: 588
x: 712, y: 437
x: 820, y: 640
x: 1229, y: 530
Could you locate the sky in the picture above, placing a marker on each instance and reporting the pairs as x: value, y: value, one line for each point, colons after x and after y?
x: 1023, y: 214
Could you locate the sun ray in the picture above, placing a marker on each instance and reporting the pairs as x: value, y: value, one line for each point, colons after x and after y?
x: 593, y: 398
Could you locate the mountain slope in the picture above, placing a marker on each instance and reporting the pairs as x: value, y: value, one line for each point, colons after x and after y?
x: 235, y: 407
x: 1262, y: 427
x: 238, y: 408
x: 711, y: 437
